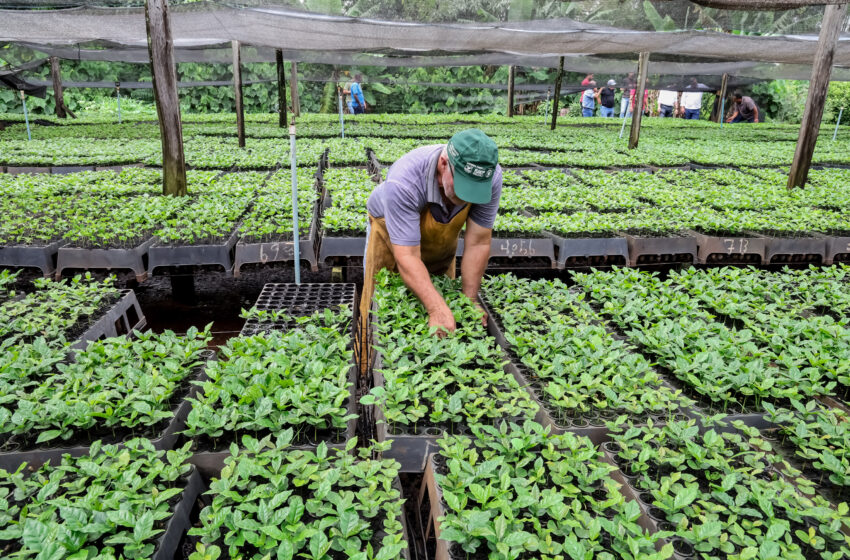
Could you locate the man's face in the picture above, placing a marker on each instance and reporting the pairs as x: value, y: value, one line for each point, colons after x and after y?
x: 447, y: 180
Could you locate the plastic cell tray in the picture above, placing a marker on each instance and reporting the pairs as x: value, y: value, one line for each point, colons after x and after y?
x: 518, y: 248
x: 737, y: 249
x: 43, y: 258
x: 122, y: 318
x: 591, y: 251
x: 661, y: 250
x: 300, y: 300
x: 281, y: 251
x: 134, y: 259
x: 837, y: 250
x: 220, y: 254
x: 11, y: 460
x: 180, y: 522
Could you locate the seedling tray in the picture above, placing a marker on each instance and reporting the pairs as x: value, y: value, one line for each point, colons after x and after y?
x: 210, y: 463
x: 646, y: 520
x: 43, y: 258
x: 19, y: 169
x: 220, y: 254
x: 590, y: 251
x: 122, y: 318
x: 299, y: 300
x: 179, y: 522
x: 411, y: 449
x: 134, y: 259
x: 518, y: 248
x: 729, y: 250
x: 11, y: 460
x: 280, y: 251
x: 64, y: 169
x: 342, y: 247
x: 779, y: 250
x: 661, y: 250
x: 597, y: 432
x: 837, y: 250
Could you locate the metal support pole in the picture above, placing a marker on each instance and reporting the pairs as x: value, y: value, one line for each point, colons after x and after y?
x: 625, y: 116
x: 722, y: 110
x: 834, y: 134
x: 546, y: 116
x: 341, y: 118
x: 296, y: 248
x: 26, y: 116
x: 118, y: 93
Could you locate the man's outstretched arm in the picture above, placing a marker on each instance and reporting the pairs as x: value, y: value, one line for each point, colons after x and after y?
x: 476, y: 254
x: 416, y: 276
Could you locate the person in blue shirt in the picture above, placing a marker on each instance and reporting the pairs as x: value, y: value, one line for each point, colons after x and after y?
x: 357, y: 105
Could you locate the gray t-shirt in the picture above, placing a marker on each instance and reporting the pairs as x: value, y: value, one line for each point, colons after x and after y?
x: 411, y: 185
x: 746, y: 108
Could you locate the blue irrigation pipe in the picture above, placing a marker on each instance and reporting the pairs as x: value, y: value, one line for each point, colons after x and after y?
x: 834, y: 134
x: 341, y: 119
x: 296, y: 248
x: 26, y: 116
x: 623, y: 128
x: 722, y: 111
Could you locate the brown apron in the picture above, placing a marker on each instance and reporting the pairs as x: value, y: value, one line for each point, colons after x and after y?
x: 438, y: 245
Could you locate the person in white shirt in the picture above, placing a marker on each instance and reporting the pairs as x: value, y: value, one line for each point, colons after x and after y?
x: 692, y: 99
x: 667, y: 102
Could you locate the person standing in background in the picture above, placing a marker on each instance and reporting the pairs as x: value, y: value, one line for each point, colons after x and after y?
x: 357, y: 105
x: 588, y: 97
x: 627, y: 93
x: 606, y: 99
x: 692, y: 99
x: 668, y: 102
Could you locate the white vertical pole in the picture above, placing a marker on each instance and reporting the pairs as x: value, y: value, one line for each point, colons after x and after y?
x: 26, y: 116
x: 296, y: 248
x: 118, y: 93
x: 341, y: 119
x: 834, y: 134
x: 546, y: 116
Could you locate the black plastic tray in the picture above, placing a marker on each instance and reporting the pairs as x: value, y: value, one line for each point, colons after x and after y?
x: 210, y: 463
x: 837, y: 250
x: 280, y: 251
x: 19, y: 169
x: 299, y: 300
x: 220, y: 254
x: 661, y: 250
x: 11, y: 460
x: 65, y: 169
x: 591, y: 251
x: 342, y: 247
x: 122, y: 318
x: 743, y: 249
x: 179, y: 522
x: 794, y: 250
x: 518, y: 248
x: 43, y: 258
x: 134, y: 259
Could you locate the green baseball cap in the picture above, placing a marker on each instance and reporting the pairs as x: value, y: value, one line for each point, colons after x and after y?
x: 473, y: 156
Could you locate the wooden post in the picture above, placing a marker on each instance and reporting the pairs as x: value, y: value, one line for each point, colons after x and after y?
x: 637, y: 112
x: 557, y: 92
x: 237, y: 93
x: 281, y: 88
x: 293, y: 90
x: 724, y: 88
x: 511, y: 79
x: 164, y: 75
x: 819, y: 84
x: 58, y: 94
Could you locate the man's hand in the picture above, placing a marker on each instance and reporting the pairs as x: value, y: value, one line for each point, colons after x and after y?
x: 443, y: 319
